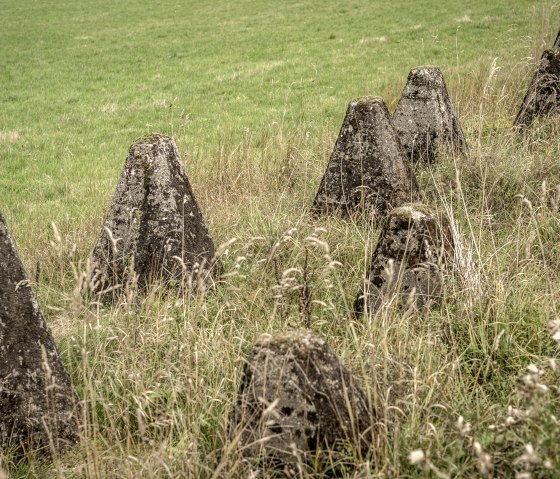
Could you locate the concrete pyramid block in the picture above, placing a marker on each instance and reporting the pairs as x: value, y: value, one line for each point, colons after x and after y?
x: 424, y: 118
x: 297, y: 403
x: 413, y: 255
x: 368, y: 170
x: 39, y: 409
x: 154, y: 230
x: 543, y: 95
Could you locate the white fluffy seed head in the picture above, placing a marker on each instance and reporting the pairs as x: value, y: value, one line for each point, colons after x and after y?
x: 417, y: 457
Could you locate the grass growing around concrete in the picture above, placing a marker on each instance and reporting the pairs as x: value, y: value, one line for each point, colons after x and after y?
x: 254, y: 92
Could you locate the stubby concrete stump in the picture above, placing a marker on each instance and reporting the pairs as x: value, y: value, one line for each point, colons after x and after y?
x: 367, y: 170
x: 424, y: 118
x: 39, y: 408
x: 414, y: 253
x: 154, y: 230
x: 298, y: 406
x: 543, y: 95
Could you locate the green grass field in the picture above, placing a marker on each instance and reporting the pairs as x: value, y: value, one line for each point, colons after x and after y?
x: 82, y: 80
x: 254, y: 92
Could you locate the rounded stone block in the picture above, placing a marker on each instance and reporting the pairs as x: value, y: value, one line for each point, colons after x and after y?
x: 413, y: 255
x: 298, y: 404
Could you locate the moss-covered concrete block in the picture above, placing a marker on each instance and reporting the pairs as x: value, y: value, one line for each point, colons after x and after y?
x: 39, y: 408
x: 543, y: 96
x: 154, y: 230
x: 297, y: 404
x: 413, y: 255
x: 368, y: 171
x: 424, y: 118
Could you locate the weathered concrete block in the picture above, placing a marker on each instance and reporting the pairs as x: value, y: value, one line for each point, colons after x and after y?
x: 414, y: 253
x: 39, y: 408
x: 424, y: 118
x: 543, y: 95
x: 296, y: 402
x: 154, y: 230
x: 367, y: 170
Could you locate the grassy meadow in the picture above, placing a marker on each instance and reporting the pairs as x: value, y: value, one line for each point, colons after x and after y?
x: 254, y: 92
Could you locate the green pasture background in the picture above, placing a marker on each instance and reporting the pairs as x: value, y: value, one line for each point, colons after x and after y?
x: 80, y: 80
